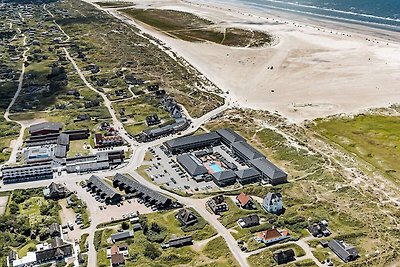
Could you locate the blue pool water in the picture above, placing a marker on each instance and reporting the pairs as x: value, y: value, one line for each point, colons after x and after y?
x: 215, y: 167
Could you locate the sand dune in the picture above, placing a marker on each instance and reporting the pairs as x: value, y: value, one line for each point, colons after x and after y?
x: 315, y: 72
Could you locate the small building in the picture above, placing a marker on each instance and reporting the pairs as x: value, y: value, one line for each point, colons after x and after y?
x: 247, y: 176
x: 217, y: 204
x: 245, y: 201
x: 178, y: 242
x: 117, y: 259
x: 284, y: 256
x: 273, y: 203
x: 152, y: 120
x: 121, y: 236
x: 319, y: 229
x: 186, y: 217
x: 55, y: 230
x: 272, y: 236
x: 249, y: 221
x: 45, y: 128
x: 224, y: 178
x: 344, y: 251
x: 107, y: 141
x: 55, y: 191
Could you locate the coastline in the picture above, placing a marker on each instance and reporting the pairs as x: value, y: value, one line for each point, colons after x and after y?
x: 318, y: 71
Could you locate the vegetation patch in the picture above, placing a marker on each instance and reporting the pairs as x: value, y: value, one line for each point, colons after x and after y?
x: 373, y: 138
x: 189, y: 27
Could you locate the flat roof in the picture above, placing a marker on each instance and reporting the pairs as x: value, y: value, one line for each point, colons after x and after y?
x: 54, y: 126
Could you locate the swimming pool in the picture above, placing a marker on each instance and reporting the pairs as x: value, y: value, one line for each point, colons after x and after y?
x: 215, y: 167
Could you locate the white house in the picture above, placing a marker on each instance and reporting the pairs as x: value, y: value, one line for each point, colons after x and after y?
x: 273, y: 202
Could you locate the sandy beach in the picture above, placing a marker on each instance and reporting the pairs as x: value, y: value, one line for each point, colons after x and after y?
x: 317, y: 71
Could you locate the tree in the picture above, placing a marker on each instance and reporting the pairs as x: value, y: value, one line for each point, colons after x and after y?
x: 151, y: 251
x: 125, y: 225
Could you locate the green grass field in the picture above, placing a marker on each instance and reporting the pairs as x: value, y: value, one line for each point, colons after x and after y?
x: 373, y: 138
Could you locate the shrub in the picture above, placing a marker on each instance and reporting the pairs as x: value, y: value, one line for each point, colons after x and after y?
x: 151, y: 251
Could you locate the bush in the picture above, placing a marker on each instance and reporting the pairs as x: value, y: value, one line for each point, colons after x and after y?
x: 125, y: 225
x: 151, y: 251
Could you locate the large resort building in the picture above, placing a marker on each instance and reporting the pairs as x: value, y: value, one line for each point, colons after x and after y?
x: 46, y: 152
x: 258, y: 168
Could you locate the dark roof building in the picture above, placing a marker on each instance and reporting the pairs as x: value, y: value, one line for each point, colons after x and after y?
x: 121, y: 236
x: 45, y: 128
x: 245, y: 151
x: 55, y: 230
x: 63, y: 139
x: 344, y: 251
x: 60, y: 151
x: 178, y: 242
x: 55, y: 191
x: 319, y: 229
x: 217, y: 204
x: 192, y: 164
x: 25, y: 173
x: 133, y: 187
x: 186, y: 217
x: 77, y: 134
x: 247, y: 176
x: 284, y: 256
x: 57, y: 251
x: 269, y: 172
x: 186, y: 143
x: 224, y: 178
x: 228, y: 136
x: 249, y: 221
x: 103, y: 189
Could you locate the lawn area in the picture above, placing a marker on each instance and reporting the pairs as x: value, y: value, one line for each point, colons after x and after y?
x: 373, y: 138
x: 31, y: 208
x: 190, y: 27
x: 31, y: 245
x: 82, y: 243
x: 78, y: 147
x: 218, y: 250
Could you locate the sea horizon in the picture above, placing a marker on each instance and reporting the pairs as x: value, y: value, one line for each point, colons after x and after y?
x: 385, y: 15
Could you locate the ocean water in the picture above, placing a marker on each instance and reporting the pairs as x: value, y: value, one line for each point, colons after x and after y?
x: 375, y: 13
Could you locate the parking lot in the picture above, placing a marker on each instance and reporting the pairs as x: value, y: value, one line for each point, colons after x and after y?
x: 164, y: 170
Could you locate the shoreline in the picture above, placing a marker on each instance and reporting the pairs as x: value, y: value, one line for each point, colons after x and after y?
x: 318, y: 71
x: 306, y: 19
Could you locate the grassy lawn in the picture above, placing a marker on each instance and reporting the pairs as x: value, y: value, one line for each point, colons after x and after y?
x: 141, y: 170
x: 102, y: 260
x: 27, y: 247
x: 218, y: 250
x: 82, y: 243
x: 189, y: 27
x: 373, y: 138
x: 148, y: 156
x: 31, y: 208
x: 78, y: 147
